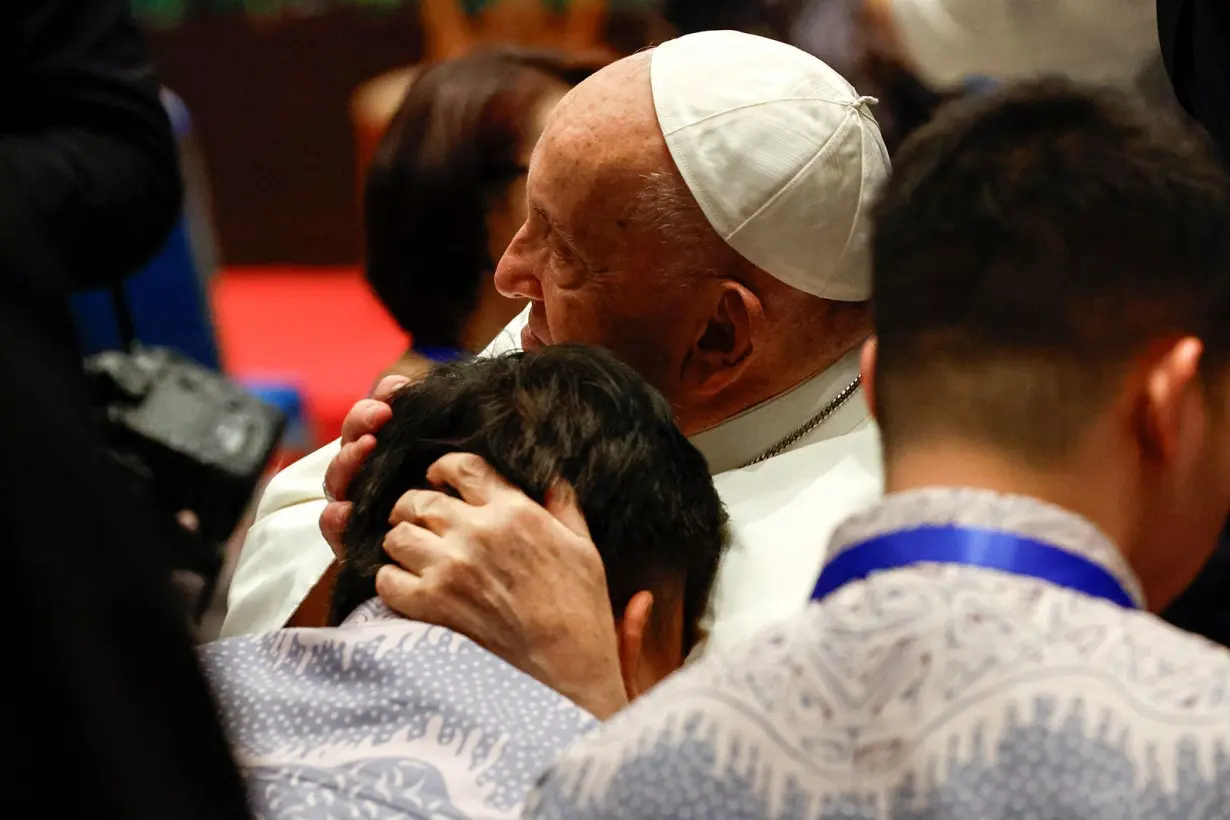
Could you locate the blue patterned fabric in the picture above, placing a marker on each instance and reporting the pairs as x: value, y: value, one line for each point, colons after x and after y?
x: 384, y: 717
x: 933, y: 691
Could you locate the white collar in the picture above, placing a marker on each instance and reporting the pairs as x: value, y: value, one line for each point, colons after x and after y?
x: 740, y: 439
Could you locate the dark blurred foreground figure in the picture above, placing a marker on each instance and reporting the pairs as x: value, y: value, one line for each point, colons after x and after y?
x: 104, y: 696
x: 1195, y: 37
x: 1053, y: 391
x: 422, y: 721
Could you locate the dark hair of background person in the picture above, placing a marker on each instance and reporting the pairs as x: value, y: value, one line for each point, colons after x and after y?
x: 1027, y: 247
x: 562, y: 413
x: 449, y: 154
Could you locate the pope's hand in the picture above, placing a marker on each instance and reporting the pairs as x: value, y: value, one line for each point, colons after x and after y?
x: 525, y: 582
x: 358, y: 441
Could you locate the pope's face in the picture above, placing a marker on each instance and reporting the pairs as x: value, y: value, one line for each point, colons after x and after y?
x: 586, y: 258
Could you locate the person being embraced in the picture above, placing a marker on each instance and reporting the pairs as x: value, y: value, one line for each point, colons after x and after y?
x: 393, y: 716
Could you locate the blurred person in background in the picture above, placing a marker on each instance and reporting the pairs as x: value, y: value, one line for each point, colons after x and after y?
x: 379, y: 710
x: 456, y: 28
x: 913, y: 55
x: 947, y: 42
x: 1052, y: 384
x: 104, y: 694
x: 444, y: 196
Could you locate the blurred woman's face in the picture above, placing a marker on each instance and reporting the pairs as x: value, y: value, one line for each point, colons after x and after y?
x: 506, y: 215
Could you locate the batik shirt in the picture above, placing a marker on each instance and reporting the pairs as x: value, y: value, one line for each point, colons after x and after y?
x: 932, y: 691
x: 385, y: 718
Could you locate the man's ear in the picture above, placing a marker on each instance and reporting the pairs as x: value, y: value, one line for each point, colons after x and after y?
x: 724, y: 343
x: 631, y: 630
x: 1170, y: 421
x: 867, y: 365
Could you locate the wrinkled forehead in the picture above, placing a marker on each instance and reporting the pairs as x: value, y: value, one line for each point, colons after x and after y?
x: 602, y: 142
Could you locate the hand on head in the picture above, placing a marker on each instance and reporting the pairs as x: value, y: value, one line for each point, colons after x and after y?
x: 358, y: 441
x: 525, y: 582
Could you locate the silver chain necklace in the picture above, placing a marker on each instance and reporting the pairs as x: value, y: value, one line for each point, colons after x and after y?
x: 811, y: 424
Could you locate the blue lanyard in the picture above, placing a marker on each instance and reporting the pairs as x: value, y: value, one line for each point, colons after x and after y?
x: 973, y: 547
x: 442, y: 354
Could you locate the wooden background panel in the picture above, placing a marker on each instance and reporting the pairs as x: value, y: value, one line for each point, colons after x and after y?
x: 270, y: 103
x: 270, y: 108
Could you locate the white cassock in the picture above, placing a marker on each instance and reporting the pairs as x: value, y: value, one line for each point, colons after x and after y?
x: 782, y: 510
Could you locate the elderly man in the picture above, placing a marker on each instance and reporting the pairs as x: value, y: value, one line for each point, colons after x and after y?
x: 1053, y: 389
x: 700, y: 210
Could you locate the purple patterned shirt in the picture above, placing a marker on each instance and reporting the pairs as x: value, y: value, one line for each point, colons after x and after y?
x: 383, y: 717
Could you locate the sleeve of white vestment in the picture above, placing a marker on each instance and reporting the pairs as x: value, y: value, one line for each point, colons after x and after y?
x: 284, y: 555
x: 947, y: 41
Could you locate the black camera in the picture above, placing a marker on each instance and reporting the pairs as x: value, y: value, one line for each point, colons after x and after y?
x: 192, y: 445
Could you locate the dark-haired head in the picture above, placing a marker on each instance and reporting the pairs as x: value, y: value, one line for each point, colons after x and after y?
x: 562, y: 413
x: 445, y: 191
x: 1052, y: 281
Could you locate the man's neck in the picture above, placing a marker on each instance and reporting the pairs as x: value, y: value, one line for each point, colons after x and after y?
x: 956, y: 463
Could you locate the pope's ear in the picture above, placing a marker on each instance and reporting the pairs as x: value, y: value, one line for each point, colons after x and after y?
x: 725, y: 341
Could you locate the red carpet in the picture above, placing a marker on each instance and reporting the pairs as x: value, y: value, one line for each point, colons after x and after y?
x: 319, y: 329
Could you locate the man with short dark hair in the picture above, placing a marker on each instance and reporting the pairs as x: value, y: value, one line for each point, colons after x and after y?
x: 1052, y: 380
x: 386, y: 716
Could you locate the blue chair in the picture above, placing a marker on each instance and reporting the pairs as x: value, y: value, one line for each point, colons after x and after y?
x: 169, y: 299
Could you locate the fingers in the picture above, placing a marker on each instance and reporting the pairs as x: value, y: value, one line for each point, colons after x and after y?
x: 430, y: 509
x: 388, y: 386
x: 403, y: 592
x: 365, y: 418
x: 333, y: 520
x: 414, y: 548
x: 345, y: 465
x: 401, y: 585
x: 433, y: 585
x: 474, y: 479
x: 561, y: 502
